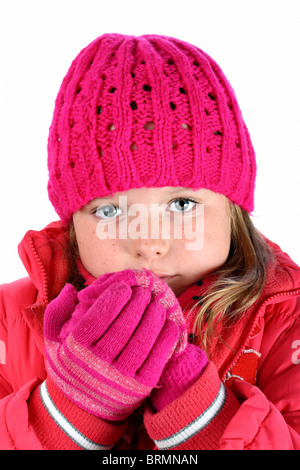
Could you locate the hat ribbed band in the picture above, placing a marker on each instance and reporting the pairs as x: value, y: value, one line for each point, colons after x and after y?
x: 147, y: 111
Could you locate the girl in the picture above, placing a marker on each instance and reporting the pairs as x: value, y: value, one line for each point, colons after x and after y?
x: 123, y: 337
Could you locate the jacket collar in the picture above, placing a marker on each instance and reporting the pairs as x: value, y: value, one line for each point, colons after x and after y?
x: 45, y: 257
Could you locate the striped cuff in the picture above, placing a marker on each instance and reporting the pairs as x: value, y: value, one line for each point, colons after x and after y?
x: 195, y: 426
x: 62, y: 425
x: 74, y: 434
x: 197, y: 419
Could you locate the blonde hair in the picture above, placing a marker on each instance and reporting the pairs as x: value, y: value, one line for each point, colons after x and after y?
x: 76, y: 279
x: 237, y: 284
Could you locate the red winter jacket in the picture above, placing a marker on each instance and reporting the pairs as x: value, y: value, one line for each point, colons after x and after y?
x: 247, y: 398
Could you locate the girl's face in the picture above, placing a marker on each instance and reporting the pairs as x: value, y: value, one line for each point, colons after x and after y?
x: 177, y: 233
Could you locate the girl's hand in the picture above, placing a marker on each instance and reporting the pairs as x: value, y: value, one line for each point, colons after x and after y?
x: 106, y: 347
x: 179, y: 374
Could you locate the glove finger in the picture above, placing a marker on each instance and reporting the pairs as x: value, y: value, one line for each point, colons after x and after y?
x: 143, y: 339
x: 101, y: 314
x: 59, y: 311
x: 163, y: 293
x: 151, y: 370
x: 91, y: 293
x: 119, y: 333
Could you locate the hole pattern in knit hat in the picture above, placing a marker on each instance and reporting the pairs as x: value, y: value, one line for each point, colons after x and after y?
x: 170, y: 117
x: 133, y: 146
x: 149, y: 125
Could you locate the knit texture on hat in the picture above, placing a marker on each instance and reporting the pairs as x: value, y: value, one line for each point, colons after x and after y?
x: 147, y: 111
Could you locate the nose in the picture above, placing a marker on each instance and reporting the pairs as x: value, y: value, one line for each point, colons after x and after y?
x: 150, y: 249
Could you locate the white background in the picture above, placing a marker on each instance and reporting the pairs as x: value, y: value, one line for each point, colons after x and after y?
x: 256, y: 42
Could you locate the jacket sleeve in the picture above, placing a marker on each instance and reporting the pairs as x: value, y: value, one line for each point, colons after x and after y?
x: 34, y: 416
x: 39, y: 418
x: 197, y: 419
x: 35, y: 419
x: 211, y: 415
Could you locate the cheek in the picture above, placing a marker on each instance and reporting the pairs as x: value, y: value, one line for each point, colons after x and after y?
x: 100, y: 257
x: 217, y: 240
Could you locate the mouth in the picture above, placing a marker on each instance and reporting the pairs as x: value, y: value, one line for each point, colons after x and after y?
x: 165, y: 277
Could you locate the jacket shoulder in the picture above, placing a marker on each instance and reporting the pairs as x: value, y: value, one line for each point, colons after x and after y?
x: 16, y: 295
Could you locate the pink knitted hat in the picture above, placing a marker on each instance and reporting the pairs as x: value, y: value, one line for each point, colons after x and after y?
x: 147, y: 111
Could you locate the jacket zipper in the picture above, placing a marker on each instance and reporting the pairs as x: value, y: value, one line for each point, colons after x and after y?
x: 44, y: 276
x: 237, y: 357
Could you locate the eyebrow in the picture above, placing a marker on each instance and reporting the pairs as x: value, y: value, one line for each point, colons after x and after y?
x: 167, y: 191
x: 180, y: 188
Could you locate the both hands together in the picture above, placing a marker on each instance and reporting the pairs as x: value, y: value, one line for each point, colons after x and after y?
x: 119, y: 341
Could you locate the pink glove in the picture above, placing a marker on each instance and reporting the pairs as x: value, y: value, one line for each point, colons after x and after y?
x: 106, y: 346
x: 179, y: 374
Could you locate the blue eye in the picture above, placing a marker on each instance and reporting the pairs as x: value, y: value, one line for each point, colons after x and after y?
x: 182, y: 205
x: 108, y: 211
